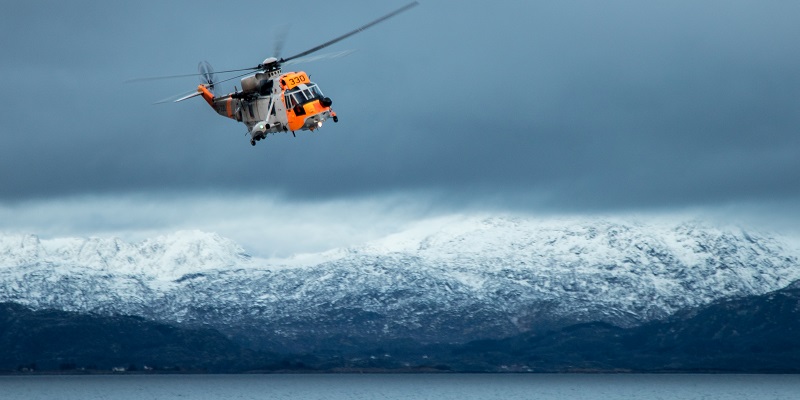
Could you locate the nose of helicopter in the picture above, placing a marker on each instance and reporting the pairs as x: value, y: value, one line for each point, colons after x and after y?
x: 316, y: 121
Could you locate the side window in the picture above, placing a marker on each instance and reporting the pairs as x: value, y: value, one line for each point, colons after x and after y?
x: 289, y: 97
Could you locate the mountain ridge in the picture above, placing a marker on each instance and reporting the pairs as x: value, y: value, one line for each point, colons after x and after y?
x: 451, y: 279
x: 752, y: 334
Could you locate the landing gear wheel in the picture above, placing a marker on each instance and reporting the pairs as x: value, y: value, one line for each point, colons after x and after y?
x: 335, y: 119
x: 252, y: 142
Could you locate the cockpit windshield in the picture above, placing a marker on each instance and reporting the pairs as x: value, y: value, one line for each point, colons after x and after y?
x: 302, y: 94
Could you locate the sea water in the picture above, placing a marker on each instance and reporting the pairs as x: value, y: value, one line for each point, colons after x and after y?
x: 406, y: 387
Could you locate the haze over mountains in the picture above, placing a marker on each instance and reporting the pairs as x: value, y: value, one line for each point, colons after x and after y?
x: 447, y: 282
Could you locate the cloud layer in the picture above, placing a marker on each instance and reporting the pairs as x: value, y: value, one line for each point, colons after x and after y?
x: 573, y: 107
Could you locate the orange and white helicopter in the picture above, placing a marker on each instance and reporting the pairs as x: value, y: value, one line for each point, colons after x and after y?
x: 271, y: 100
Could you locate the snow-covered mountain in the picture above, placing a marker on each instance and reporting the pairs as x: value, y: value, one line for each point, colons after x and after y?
x: 446, y: 280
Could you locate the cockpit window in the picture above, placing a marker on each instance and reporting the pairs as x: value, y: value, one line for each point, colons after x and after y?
x: 302, y: 94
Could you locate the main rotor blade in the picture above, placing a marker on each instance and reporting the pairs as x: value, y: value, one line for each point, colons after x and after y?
x: 325, y: 56
x: 347, y: 35
x: 234, y: 77
x: 280, y: 34
x: 156, y: 78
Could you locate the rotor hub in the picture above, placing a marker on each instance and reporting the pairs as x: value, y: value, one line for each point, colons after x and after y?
x: 272, y: 66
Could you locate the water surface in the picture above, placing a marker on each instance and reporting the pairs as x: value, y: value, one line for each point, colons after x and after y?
x: 406, y: 387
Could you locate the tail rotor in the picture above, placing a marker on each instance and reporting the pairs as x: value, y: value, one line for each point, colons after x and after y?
x: 207, y: 77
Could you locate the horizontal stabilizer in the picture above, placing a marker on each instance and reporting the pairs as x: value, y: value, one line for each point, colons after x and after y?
x: 188, y: 97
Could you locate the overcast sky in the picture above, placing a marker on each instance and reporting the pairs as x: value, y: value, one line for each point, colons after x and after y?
x: 536, y: 107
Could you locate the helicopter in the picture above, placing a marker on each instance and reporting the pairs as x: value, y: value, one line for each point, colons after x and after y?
x: 271, y: 100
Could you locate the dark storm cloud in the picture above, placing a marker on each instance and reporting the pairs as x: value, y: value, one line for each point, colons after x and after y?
x: 563, y: 105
